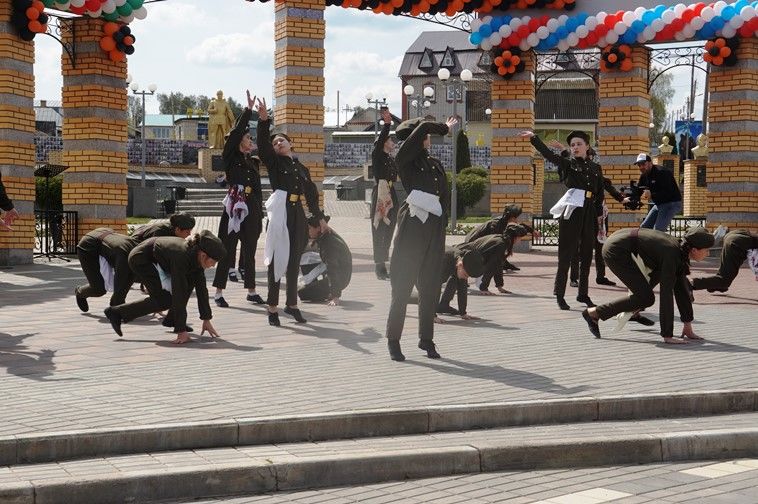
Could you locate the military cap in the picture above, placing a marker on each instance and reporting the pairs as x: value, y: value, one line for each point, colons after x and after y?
x: 699, y: 238
x: 473, y: 263
x: 578, y: 134
x: 516, y: 230
x: 511, y: 211
x: 211, y: 245
x: 182, y: 220
x: 405, y: 128
x: 279, y: 133
x: 315, y: 221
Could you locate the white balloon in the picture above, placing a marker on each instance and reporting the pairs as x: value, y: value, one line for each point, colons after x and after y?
x: 486, y: 45
x: 572, y: 39
x: 525, y: 19
x: 563, y: 18
x: 486, y: 19
x: 600, y: 16
x: 736, y: 22
x: 602, y: 42
x: 680, y: 36
x: 707, y: 13
x: 638, y: 12
x: 620, y: 28
x: 475, y: 25
x: 495, y: 39
x: 582, y: 31
x: 641, y: 38
x: 563, y: 46
x: 718, y: 7
x: 62, y: 6
x: 657, y: 25
x: 542, y: 32
x: 649, y: 33
x: 728, y: 31
x: 628, y: 18
x: 109, y: 6
x: 119, y: 3
x: 591, y: 23
x: 127, y: 19
x: 95, y: 14
x: 611, y: 37
x: 515, y: 23
x: 552, y: 24
x: 679, y: 9
x: 533, y: 39
x: 77, y: 3
x: 747, y: 13
x: 505, y: 31
x: 140, y: 13
x: 524, y: 45
x: 668, y: 16
x: 697, y: 22
x: 688, y: 31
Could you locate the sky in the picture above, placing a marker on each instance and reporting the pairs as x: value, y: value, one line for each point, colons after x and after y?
x: 201, y: 46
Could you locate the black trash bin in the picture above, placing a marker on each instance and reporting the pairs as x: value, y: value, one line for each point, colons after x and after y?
x: 169, y: 206
x: 181, y: 192
x: 342, y: 192
x: 351, y: 188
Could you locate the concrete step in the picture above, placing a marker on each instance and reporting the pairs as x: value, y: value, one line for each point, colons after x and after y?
x: 192, y: 474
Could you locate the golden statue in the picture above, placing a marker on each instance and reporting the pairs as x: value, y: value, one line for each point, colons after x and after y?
x: 701, y: 150
x: 220, y: 121
x: 665, y: 148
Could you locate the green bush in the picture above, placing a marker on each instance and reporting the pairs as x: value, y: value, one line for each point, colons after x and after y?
x: 52, y: 194
x: 476, y: 170
x: 470, y: 187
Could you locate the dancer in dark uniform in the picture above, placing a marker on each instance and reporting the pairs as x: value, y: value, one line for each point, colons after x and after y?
x: 183, y: 263
x: 668, y: 260
x: 115, y: 248
x: 458, y: 265
x: 244, y: 202
x: 334, y: 254
x: 577, y: 225
x: 288, y: 175
x: 383, y: 219
x: 420, y: 239
x: 737, y: 245
x: 179, y: 224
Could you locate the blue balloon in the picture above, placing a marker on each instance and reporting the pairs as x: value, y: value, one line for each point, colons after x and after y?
x: 562, y: 32
x: 638, y: 26
x: 485, y: 30
x: 717, y: 23
x: 629, y: 37
x: 475, y: 38
x: 728, y: 13
x: 648, y: 17
x: 551, y: 41
x: 659, y: 10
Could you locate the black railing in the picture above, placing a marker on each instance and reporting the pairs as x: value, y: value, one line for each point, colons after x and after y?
x: 56, y: 232
x: 548, y: 228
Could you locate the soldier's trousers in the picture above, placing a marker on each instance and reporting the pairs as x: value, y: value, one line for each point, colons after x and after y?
x: 416, y: 260
x: 599, y: 262
x: 579, y: 232
x: 316, y: 291
x: 620, y: 261
x: 89, y: 258
x: 733, y: 254
x: 382, y: 235
x: 250, y: 231
x: 157, y: 300
x: 298, y: 234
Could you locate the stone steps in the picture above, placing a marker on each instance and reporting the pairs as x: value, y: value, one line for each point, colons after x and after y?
x: 247, y: 470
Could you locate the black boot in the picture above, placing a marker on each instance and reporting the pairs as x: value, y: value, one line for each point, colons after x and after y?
x: 592, y: 324
x: 641, y: 319
x: 255, y: 298
x: 295, y: 314
x: 507, y: 266
x: 447, y: 309
x: 221, y: 302
x: 431, y: 350
x: 115, y: 319
x: 273, y: 319
x: 562, y: 304
x: 604, y: 281
x: 81, y: 301
x: 381, y: 271
x: 574, y: 283
x: 586, y: 300
x: 395, y: 353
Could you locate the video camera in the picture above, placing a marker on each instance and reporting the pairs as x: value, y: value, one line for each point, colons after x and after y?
x: 634, y: 193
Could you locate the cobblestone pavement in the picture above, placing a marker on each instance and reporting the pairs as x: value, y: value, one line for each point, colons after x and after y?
x: 725, y: 482
x: 62, y: 369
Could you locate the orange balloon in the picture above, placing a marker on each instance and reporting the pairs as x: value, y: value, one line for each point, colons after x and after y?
x: 516, y: 60
x: 499, y: 61
x: 502, y: 70
x: 107, y: 44
x: 36, y: 26
x: 424, y: 5
x: 38, y: 5
x: 116, y: 56
x: 603, y: 66
x: 709, y: 45
x: 720, y: 42
x: 415, y: 10
x: 718, y: 61
x: 397, y: 3
x: 128, y: 40
x: 725, y: 52
x: 625, y: 50
x: 626, y: 65
x: 433, y: 2
x: 612, y: 58
x: 32, y: 13
x: 110, y: 28
x: 707, y: 57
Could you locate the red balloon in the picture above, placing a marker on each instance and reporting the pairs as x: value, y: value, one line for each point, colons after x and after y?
x: 592, y: 39
x: 745, y: 30
x: 514, y: 39
x: 699, y: 8
x: 534, y: 23
x: 78, y: 10
x: 523, y: 31
x: 601, y: 30
x: 610, y: 21
x: 687, y: 15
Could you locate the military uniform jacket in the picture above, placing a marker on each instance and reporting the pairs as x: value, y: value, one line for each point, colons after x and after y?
x: 661, y: 253
x: 286, y: 173
x: 491, y: 227
x: 448, y: 272
x: 493, y: 249
x: 162, y: 228
x: 178, y: 257
x: 107, y: 243
x: 382, y: 164
x: 243, y: 169
x: 5, y: 203
x: 419, y: 170
x: 336, y: 255
x: 742, y: 239
x: 576, y: 173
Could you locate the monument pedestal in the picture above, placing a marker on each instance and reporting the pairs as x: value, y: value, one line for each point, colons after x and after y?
x: 695, y: 193
x: 210, y: 164
x: 669, y: 162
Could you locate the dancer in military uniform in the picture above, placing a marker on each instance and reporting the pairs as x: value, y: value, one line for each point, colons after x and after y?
x: 242, y: 217
x: 420, y: 239
x: 577, y: 211
x: 6, y: 205
x: 383, y: 197
x: 511, y: 214
x: 290, y: 182
x: 739, y: 245
x: 458, y: 265
x: 496, y: 264
x: 668, y: 261
x: 329, y: 265
x: 179, y: 224
x: 171, y: 268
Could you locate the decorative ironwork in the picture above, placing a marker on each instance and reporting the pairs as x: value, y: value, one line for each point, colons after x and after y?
x: 461, y: 21
x: 663, y: 59
x: 55, y: 233
x: 57, y: 27
x: 552, y: 64
x: 680, y: 225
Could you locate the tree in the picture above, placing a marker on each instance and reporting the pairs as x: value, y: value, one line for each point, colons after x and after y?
x: 463, y: 154
x: 234, y: 105
x: 661, y: 94
x: 134, y: 112
x: 178, y: 103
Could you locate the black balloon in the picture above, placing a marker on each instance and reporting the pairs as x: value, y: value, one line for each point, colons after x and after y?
x: 129, y: 50
x: 27, y: 35
x: 43, y: 18
x: 118, y: 37
x: 125, y: 30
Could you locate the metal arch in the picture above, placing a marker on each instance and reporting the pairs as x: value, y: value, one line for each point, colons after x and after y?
x: 551, y: 64
x: 57, y: 28
x: 667, y: 58
x: 461, y: 21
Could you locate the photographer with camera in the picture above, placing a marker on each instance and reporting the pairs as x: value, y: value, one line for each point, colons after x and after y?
x: 662, y: 190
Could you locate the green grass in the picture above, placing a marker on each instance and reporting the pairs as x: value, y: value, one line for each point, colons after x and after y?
x: 473, y: 220
x: 138, y: 220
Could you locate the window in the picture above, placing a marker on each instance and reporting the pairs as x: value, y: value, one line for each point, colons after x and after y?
x: 454, y: 92
x: 448, y: 59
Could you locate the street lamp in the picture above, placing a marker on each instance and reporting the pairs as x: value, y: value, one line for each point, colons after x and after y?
x: 150, y: 91
x: 454, y: 82
x: 376, y: 103
x: 418, y: 101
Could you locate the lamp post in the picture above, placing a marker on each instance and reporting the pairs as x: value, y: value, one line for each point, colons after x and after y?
x: 150, y: 91
x: 417, y: 101
x: 454, y: 82
x: 376, y: 103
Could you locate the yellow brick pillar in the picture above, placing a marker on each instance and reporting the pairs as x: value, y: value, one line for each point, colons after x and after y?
x: 538, y: 166
x: 733, y: 141
x: 511, y: 174
x: 695, y: 193
x: 624, y: 118
x: 17, y: 138
x: 94, y: 131
x: 299, y: 33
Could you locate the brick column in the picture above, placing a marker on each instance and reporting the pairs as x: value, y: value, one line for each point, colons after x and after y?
x: 299, y: 33
x: 511, y: 175
x: 624, y: 119
x: 94, y: 132
x: 733, y: 141
x: 17, y: 138
x: 538, y: 164
x: 669, y: 162
x: 695, y: 191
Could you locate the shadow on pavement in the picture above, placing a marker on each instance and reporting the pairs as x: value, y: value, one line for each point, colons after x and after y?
x: 198, y: 342
x: 25, y: 363
x: 347, y: 339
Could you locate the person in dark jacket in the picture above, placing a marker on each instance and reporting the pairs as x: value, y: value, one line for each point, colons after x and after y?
x: 737, y: 245
x: 241, y: 219
x: 383, y: 215
x: 577, y: 225
x: 179, y: 224
x: 494, y: 271
x: 171, y: 268
x: 420, y: 239
x: 331, y: 254
x: 511, y: 214
x: 663, y: 192
x: 6, y: 205
x: 459, y: 264
x: 668, y: 261
x: 288, y: 175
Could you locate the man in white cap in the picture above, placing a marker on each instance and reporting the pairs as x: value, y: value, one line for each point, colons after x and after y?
x: 663, y: 191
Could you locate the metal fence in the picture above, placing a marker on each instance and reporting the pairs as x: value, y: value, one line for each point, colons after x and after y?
x: 548, y: 228
x: 55, y: 232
